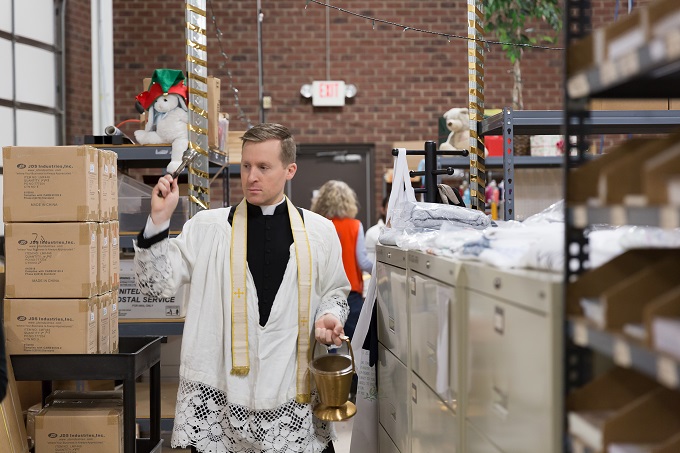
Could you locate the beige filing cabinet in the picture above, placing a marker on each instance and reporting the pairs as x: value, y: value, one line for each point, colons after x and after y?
x: 470, y: 356
x: 436, y: 324
x: 393, y: 350
x: 515, y: 360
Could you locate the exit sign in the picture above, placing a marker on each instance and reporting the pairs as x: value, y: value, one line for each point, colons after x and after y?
x: 328, y: 93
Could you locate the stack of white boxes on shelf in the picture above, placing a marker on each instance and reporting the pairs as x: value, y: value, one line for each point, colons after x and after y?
x: 61, y: 249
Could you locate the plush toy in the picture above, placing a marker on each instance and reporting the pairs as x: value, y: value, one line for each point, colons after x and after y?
x: 166, y: 121
x: 458, y: 122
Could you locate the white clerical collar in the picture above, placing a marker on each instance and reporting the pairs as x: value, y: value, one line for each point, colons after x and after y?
x: 269, y: 210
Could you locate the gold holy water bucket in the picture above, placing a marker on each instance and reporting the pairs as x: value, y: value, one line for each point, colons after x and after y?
x: 333, y: 375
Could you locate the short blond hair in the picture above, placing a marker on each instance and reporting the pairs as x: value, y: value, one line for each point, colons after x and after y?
x: 336, y: 199
x: 273, y: 131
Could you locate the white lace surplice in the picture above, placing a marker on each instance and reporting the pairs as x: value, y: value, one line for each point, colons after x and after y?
x: 217, y: 411
x: 205, y: 418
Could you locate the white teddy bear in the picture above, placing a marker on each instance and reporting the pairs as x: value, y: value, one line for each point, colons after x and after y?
x: 167, y: 123
x: 167, y: 114
x: 458, y: 122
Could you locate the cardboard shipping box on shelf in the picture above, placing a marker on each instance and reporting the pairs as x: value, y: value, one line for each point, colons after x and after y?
x: 114, y: 265
x: 610, y: 417
x: 105, y: 195
x: 13, y: 437
x: 627, y: 167
x: 113, y: 181
x: 103, y: 324
x: 582, y: 52
x: 630, y: 104
x: 663, y: 17
x: 623, y: 37
x: 234, y: 143
x: 50, y: 184
x: 214, y: 106
x: 63, y: 397
x: 51, y: 326
x: 592, y: 283
x: 545, y: 145
x: 622, y: 303
x: 104, y: 257
x: 113, y: 322
x: 663, y: 307
x: 51, y: 260
x: 661, y: 177
x: 583, y: 180
x: 132, y: 304
x: 591, y: 406
x: 98, y: 427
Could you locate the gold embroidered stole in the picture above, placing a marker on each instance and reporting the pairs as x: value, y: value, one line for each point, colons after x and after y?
x: 239, y: 316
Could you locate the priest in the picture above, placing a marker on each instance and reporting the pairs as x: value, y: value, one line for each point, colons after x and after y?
x: 264, y: 277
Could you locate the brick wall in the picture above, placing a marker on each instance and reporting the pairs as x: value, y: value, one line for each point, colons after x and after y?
x: 405, y: 80
x: 78, y: 70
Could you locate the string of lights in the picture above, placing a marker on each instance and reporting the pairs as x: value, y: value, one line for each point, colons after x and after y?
x: 241, y: 114
x: 448, y: 36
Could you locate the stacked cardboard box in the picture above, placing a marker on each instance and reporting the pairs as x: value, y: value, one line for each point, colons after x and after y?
x: 13, y: 436
x: 61, y: 248
x: 82, y: 421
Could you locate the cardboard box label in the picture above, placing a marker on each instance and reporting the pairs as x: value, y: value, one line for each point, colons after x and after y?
x: 48, y: 184
x: 64, y: 429
x: 51, y: 260
x: 60, y: 326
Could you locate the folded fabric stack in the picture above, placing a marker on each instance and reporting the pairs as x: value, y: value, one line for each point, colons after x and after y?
x: 433, y: 215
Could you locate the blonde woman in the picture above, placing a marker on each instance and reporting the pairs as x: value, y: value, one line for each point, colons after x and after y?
x: 338, y: 202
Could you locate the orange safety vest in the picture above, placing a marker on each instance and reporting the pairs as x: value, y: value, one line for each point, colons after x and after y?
x: 348, y: 232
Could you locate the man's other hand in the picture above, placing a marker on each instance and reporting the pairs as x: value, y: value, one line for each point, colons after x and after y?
x: 328, y: 330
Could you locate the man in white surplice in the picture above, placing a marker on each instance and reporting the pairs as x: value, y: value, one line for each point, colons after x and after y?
x: 258, y: 272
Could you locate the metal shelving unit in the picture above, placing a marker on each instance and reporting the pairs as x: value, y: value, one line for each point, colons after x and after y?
x: 142, y: 327
x: 580, y: 216
x: 148, y: 156
x: 137, y: 355
x: 137, y: 156
x: 626, y: 352
x: 653, y: 71
x: 509, y: 123
x: 648, y: 72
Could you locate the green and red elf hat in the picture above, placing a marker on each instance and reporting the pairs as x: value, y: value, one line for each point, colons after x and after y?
x: 163, y: 82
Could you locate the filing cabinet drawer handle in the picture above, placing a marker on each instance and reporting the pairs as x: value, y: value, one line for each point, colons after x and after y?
x: 499, y: 320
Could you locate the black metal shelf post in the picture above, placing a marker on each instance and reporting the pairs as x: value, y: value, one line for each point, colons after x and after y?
x: 431, y: 172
